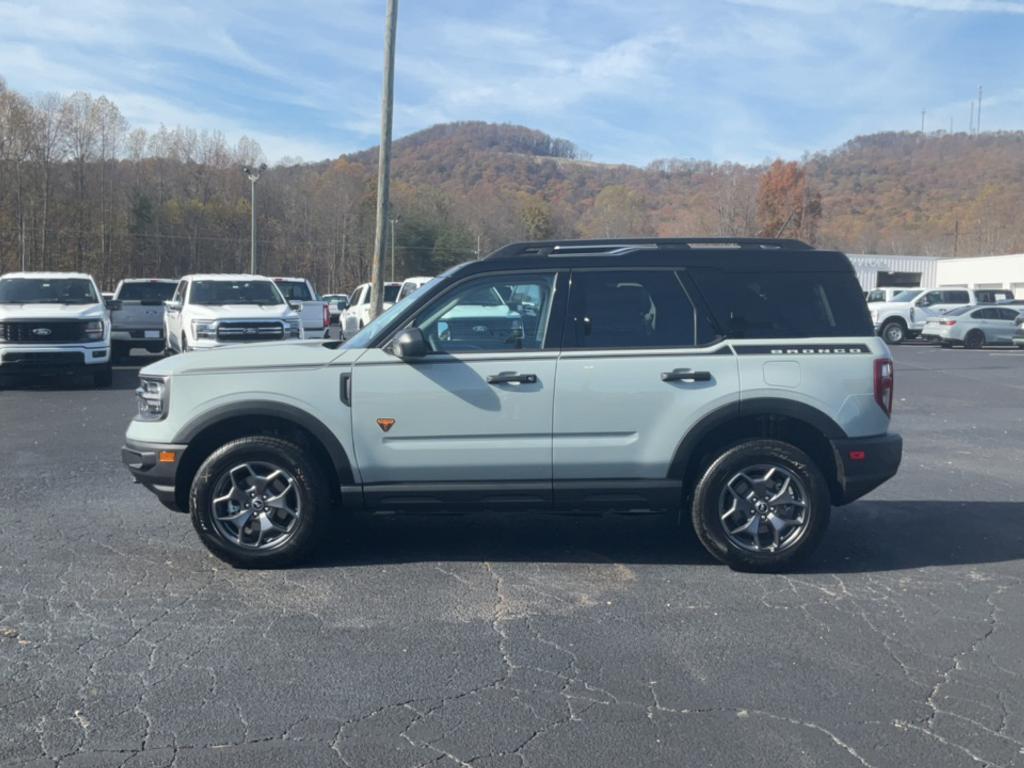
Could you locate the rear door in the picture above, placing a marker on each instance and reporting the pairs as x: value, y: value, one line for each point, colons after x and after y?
x: 639, y: 367
x: 469, y: 423
x: 1003, y: 325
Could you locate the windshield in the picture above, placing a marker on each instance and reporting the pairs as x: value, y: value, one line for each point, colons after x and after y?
x: 217, y: 292
x: 48, y: 290
x: 906, y: 295
x: 295, y: 290
x: 146, y: 293
x: 960, y: 311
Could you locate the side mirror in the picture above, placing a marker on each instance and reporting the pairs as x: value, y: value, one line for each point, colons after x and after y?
x: 296, y: 305
x: 410, y: 344
x: 113, y: 304
x: 172, y: 305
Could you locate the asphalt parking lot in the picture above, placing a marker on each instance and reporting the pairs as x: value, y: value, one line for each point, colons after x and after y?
x: 495, y: 642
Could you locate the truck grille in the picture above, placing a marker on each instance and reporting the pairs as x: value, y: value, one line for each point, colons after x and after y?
x: 42, y: 331
x: 250, y: 331
x: 43, y: 359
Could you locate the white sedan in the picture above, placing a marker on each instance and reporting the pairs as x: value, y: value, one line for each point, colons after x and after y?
x: 973, y: 326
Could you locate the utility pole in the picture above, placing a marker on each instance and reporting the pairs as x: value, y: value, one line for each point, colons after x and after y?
x: 253, y: 175
x: 384, y: 164
x: 979, y: 109
x: 393, y: 220
x: 956, y: 237
x: 923, y: 113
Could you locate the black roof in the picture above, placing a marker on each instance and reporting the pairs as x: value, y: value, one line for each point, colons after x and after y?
x: 739, y: 254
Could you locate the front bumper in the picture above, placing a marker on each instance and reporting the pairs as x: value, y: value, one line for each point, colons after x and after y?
x: 863, y: 464
x: 31, y: 359
x: 155, y: 467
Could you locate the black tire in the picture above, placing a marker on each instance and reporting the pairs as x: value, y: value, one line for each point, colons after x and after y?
x: 711, y: 491
x: 946, y: 344
x: 974, y: 339
x: 119, y: 351
x: 311, y: 487
x: 104, y: 377
x: 893, y: 332
x: 183, y: 343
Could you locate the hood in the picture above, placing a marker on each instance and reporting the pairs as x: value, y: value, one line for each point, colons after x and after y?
x: 241, y: 312
x: 52, y: 312
x: 255, y: 356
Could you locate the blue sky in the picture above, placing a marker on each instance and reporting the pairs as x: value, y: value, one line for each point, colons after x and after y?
x: 628, y: 81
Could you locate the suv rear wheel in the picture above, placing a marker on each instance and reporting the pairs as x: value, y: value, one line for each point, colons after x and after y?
x: 260, y: 502
x: 761, y: 506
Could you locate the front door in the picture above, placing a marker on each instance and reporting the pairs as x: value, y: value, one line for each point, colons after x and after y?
x: 633, y: 379
x: 469, y: 423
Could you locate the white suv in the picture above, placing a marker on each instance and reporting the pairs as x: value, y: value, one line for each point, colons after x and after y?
x: 739, y: 388
x: 209, y: 311
x: 904, y: 317
x: 357, y: 315
x: 54, y: 322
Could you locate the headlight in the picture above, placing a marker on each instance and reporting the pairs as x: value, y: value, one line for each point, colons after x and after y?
x: 293, y: 327
x: 154, y: 396
x: 204, y: 329
x: 94, y: 330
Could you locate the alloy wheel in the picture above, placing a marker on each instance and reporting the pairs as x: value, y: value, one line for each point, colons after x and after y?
x: 764, y: 508
x: 256, y: 505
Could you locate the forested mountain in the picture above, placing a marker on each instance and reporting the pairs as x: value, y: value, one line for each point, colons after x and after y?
x: 79, y: 189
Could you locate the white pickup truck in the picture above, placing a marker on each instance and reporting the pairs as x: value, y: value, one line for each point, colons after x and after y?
x: 209, y: 311
x: 357, y: 315
x: 316, y: 315
x: 54, y: 323
x: 138, y: 322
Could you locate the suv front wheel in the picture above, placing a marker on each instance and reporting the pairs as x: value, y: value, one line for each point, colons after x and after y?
x: 761, y: 506
x: 260, y: 502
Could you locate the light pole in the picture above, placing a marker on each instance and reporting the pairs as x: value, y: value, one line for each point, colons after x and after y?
x: 253, y: 174
x: 393, y: 221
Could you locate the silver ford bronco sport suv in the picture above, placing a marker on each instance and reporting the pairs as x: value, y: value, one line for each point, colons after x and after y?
x: 736, y: 383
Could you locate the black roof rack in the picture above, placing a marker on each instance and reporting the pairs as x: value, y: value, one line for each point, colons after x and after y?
x: 617, y: 246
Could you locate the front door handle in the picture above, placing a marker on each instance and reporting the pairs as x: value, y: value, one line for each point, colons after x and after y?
x: 685, y: 374
x: 511, y: 377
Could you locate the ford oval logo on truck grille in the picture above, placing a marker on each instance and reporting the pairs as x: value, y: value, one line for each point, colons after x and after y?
x: 41, y: 331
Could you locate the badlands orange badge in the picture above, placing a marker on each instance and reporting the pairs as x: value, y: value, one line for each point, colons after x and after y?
x: 385, y: 424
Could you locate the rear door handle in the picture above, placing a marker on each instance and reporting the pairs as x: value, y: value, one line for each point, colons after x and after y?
x: 685, y: 374
x: 511, y: 377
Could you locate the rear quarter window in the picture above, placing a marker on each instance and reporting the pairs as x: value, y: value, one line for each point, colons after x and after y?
x: 770, y: 305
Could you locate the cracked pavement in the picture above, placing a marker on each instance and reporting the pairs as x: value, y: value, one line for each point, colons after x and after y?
x: 498, y: 643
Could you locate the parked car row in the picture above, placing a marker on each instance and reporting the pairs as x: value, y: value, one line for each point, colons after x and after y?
x: 907, y: 313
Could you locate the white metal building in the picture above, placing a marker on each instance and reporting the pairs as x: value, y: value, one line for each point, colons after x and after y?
x: 881, y: 271
x: 984, y: 272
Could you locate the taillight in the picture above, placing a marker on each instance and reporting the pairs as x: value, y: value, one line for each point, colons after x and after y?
x: 884, y: 377
x: 327, y: 316
x: 947, y: 322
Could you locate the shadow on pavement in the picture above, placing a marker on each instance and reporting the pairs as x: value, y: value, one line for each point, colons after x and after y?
x: 126, y: 373
x: 864, y: 537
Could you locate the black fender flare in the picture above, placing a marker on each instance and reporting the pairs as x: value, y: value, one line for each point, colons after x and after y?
x: 758, y: 406
x: 320, y: 431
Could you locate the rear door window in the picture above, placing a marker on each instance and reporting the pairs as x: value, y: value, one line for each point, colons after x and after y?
x: 613, y: 309
x: 790, y: 305
x: 955, y: 297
